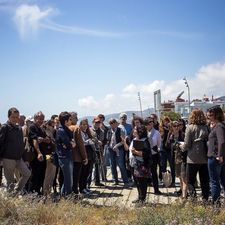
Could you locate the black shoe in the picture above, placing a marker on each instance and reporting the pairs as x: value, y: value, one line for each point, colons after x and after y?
x: 116, y: 183
x: 158, y: 192
x: 99, y: 184
x: 178, y: 193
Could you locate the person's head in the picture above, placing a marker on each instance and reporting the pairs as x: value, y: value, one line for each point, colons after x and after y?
x: 166, y: 121
x: 141, y: 131
x: 22, y: 120
x: 101, y: 117
x: 74, y: 117
x: 113, y: 123
x: 39, y: 118
x: 154, y: 117
x: 215, y: 114
x: 65, y: 119
x: 56, y: 121
x: 123, y: 118
x: 84, y: 124
x: 13, y: 115
x: 96, y: 122
x: 182, y: 125
x: 197, y: 117
x: 175, y: 126
x: 137, y: 121
x: 149, y: 123
x: 49, y: 124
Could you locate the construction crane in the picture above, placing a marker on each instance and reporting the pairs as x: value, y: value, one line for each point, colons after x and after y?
x: 179, y: 99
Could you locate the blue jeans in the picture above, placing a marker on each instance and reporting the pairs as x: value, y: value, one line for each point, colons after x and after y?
x: 217, y: 176
x: 120, y: 161
x: 66, y: 165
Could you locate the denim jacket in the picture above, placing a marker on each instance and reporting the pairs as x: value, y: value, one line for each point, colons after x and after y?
x: 63, y: 142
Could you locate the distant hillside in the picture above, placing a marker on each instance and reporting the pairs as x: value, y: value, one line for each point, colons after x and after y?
x: 145, y: 113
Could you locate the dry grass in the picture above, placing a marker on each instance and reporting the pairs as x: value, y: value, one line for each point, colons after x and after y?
x: 26, y: 211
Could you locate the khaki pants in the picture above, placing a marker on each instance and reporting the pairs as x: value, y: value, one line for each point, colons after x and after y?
x: 49, y: 177
x: 9, y: 166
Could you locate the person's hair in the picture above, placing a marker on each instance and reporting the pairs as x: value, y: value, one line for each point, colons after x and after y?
x: 54, y: 116
x: 183, y: 123
x: 197, y: 117
x: 137, y: 118
x: 12, y: 110
x: 147, y: 120
x: 101, y: 116
x: 217, y: 113
x: 112, y: 120
x: 40, y: 113
x: 161, y: 124
x: 142, y: 131
x: 88, y: 128
x: 63, y: 117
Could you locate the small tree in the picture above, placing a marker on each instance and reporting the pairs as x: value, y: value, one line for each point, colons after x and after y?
x: 172, y: 115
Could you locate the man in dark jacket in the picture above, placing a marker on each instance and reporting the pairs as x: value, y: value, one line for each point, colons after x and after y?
x: 12, y: 149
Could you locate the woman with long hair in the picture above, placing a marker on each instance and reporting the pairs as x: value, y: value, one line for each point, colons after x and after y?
x: 196, y: 137
x: 216, y: 151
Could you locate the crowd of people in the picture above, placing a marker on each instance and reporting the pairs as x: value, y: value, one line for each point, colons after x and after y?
x: 66, y: 156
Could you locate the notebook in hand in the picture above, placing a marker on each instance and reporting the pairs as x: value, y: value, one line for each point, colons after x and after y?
x: 139, y: 145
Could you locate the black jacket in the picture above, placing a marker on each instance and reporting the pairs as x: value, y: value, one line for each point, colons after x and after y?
x: 11, y: 142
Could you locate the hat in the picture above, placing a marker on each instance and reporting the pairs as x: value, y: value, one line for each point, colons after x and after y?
x: 123, y: 115
x: 96, y: 119
x: 29, y: 118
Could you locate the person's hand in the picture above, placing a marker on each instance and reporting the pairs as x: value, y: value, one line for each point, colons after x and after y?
x: 85, y: 162
x: 47, y: 140
x: 134, y: 151
x: 219, y: 159
x: 73, y: 143
x: 40, y: 157
x: 40, y: 139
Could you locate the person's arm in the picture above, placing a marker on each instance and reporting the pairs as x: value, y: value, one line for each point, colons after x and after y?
x: 36, y: 147
x: 220, y: 134
x: 80, y: 145
x: 187, y: 140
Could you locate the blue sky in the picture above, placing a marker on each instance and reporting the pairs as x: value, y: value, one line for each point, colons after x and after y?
x: 94, y: 56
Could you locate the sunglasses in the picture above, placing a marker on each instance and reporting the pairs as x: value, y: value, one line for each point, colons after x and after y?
x: 176, y: 126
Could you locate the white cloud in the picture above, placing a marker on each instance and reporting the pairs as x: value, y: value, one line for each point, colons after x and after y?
x: 31, y: 18
x: 28, y: 18
x: 210, y: 79
x: 88, y: 102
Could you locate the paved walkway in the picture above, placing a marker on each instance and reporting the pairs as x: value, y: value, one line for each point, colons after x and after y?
x: 119, y: 195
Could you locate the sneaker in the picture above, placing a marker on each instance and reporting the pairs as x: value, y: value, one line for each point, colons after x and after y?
x: 128, y: 185
x: 99, y: 184
x: 158, y: 192
x: 85, y: 192
x: 178, y: 193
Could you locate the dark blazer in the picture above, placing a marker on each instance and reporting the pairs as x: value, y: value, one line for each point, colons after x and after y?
x: 216, y: 144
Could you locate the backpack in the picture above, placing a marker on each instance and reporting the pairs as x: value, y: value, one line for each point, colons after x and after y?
x: 3, y: 131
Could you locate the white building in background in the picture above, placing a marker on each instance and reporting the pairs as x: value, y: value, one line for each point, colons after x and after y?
x: 182, y: 107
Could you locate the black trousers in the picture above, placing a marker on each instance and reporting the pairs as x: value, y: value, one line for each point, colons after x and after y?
x: 155, y: 162
x: 142, y: 184
x: 77, y: 167
x: 192, y: 170
x: 38, y: 175
x: 85, y: 170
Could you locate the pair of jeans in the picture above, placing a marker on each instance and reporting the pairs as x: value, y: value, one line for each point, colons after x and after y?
x: 217, y: 177
x: 118, y: 160
x: 66, y: 164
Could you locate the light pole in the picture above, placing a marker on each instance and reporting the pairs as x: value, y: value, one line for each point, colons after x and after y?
x: 139, y: 98
x: 189, y: 98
